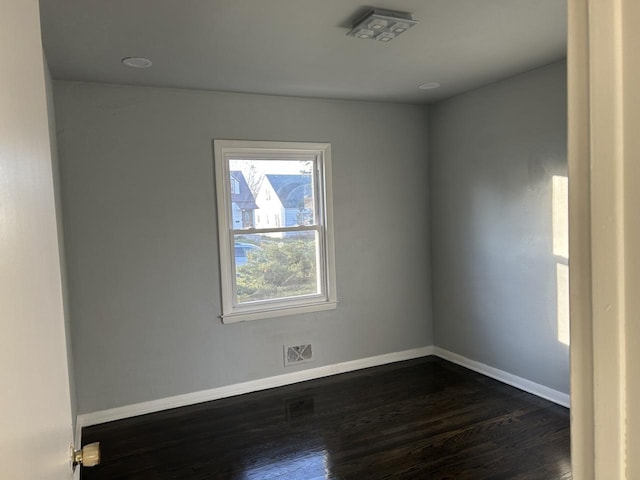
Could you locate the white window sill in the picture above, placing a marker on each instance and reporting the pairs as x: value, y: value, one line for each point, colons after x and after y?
x: 277, y: 312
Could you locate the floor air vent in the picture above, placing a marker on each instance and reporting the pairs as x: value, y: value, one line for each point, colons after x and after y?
x: 294, y: 354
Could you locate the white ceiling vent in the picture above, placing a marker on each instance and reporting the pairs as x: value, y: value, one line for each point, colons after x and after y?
x: 294, y: 354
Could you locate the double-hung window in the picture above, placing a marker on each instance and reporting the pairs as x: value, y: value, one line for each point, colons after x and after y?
x: 275, y: 228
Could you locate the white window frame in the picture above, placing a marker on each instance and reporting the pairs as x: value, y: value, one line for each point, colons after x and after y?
x: 232, y: 312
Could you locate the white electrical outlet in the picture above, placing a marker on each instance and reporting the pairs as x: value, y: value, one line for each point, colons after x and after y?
x: 294, y: 354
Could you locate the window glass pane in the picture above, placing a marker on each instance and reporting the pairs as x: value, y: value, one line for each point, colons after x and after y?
x: 272, y: 193
x: 275, y: 266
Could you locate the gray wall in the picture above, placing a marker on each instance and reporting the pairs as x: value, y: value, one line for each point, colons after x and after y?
x: 139, y: 217
x: 492, y: 154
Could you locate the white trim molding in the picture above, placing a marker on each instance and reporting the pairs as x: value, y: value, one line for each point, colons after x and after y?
x: 77, y: 445
x: 604, y: 231
x: 142, y: 408
x: 505, y: 377
x: 77, y: 439
x: 127, y: 411
x: 318, y: 156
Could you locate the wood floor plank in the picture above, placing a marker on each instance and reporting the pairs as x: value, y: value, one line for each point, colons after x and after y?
x: 420, y: 419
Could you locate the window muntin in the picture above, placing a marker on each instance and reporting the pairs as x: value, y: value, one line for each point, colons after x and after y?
x: 281, y: 261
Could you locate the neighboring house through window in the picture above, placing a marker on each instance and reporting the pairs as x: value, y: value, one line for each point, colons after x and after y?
x: 242, y: 201
x: 235, y: 185
x: 275, y: 228
x: 288, y: 197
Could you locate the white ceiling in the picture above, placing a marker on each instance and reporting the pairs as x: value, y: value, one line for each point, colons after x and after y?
x: 300, y: 47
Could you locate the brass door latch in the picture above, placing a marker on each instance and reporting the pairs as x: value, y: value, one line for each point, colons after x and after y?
x: 87, y: 456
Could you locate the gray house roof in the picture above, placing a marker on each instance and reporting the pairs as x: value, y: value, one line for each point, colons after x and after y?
x: 244, y: 199
x: 291, y: 189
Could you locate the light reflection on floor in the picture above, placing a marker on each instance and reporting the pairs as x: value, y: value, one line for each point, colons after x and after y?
x: 304, y: 465
x: 563, y: 470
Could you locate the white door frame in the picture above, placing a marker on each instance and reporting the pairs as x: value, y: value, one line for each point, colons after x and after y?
x: 603, y: 70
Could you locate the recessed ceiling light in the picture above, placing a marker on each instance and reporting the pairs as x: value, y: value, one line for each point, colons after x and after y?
x: 137, y: 62
x: 382, y: 25
x: 428, y: 86
x: 385, y: 36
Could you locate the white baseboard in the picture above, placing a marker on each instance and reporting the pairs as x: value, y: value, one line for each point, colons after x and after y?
x: 505, y: 377
x: 127, y: 411
x: 77, y: 445
x: 77, y: 438
x: 134, y: 410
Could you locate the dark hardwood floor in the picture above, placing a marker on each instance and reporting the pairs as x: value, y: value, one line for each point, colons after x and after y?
x: 420, y: 419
